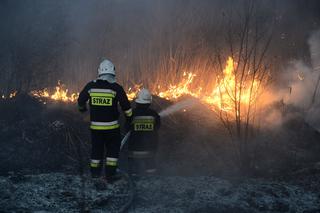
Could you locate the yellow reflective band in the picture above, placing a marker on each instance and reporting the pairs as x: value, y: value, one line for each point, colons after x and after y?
x: 95, y: 127
x: 143, y: 121
x: 96, y: 90
x: 128, y: 112
x: 94, y: 165
x: 111, y: 163
x: 144, y: 117
x: 101, y: 94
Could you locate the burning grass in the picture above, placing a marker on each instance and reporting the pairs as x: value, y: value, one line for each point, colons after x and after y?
x: 226, y: 93
x: 10, y: 96
x: 61, y: 93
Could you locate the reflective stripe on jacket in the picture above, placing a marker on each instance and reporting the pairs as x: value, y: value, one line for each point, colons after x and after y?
x: 103, y: 98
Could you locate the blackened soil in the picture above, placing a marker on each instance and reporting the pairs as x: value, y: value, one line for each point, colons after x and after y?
x: 37, y: 137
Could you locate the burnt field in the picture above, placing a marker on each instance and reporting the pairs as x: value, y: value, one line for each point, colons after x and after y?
x: 45, y: 150
x: 236, y: 84
x: 54, y: 137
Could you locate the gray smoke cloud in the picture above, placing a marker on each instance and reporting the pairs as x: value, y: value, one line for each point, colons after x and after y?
x: 301, y: 82
x: 313, y: 115
x: 314, y: 43
x: 304, y: 78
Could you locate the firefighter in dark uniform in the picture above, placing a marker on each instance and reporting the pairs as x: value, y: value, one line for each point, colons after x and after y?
x: 103, y: 95
x: 143, y: 141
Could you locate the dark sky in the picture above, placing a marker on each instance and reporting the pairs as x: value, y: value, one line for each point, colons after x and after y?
x: 51, y: 40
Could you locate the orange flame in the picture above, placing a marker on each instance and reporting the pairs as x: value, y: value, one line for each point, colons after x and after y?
x: 60, y: 94
x: 182, y: 88
x: 227, y: 93
x: 133, y: 92
x: 10, y: 96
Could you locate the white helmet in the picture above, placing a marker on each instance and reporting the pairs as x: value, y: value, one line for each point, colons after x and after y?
x: 106, y: 67
x: 144, y: 97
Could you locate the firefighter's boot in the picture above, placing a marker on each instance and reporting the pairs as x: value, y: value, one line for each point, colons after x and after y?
x: 95, y: 168
x: 111, y: 170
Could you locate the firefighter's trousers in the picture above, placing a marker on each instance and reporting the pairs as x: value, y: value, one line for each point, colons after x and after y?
x: 105, y: 143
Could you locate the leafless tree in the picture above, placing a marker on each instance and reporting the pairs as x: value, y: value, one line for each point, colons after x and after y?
x: 246, y: 42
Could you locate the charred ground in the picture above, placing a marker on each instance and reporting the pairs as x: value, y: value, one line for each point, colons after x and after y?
x: 53, y: 137
x: 45, y: 147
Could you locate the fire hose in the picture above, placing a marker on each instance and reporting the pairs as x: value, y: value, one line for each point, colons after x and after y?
x: 132, y: 190
x: 127, y: 205
x: 171, y: 109
x: 125, y: 139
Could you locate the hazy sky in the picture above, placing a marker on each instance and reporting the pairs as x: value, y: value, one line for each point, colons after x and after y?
x: 67, y: 38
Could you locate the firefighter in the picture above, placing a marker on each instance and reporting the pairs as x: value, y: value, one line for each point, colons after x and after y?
x: 103, y: 95
x: 143, y: 141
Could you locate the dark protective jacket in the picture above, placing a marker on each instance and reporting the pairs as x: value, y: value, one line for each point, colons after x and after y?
x: 144, y: 129
x: 103, y: 101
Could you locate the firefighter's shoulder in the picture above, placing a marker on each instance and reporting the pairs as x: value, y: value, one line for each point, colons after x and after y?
x: 89, y: 85
x: 93, y: 84
x: 153, y: 112
x: 117, y: 87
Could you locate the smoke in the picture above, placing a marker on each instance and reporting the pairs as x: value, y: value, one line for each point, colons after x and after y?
x: 64, y: 40
x: 302, y: 82
x: 271, y: 118
x: 185, y: 104
x: 314, y: 43
x: 300, y: 87
x: 313, y: 114
x: 304, y: 78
